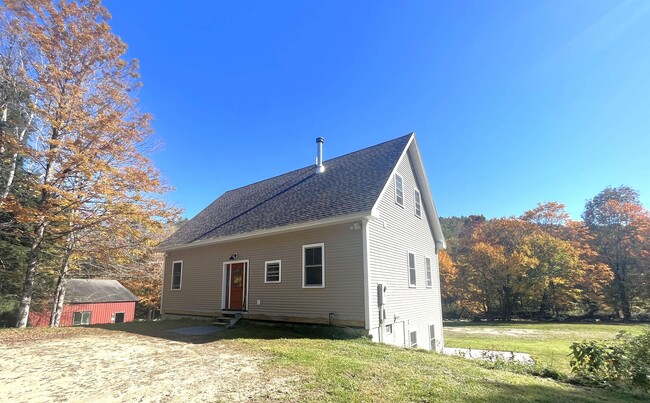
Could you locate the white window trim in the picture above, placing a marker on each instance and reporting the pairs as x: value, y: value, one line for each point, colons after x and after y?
x: 279, y: 262
x: 395, y: 180
x: 180, y: 283
x: 417, y: 196
x: 90, y: 318
x: 428, y: 272
x: 416, y: 338
x: 415, y: 267
x: 314, y: 245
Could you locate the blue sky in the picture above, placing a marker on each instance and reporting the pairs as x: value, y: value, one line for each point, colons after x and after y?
x: 513, y: 102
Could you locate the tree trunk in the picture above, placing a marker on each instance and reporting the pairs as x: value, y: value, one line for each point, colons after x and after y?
x: 625, y: 303
x: 14, y: 162
x: 30, y: 276
x: 59, y: 296
x: 543, y: 305
x: 34, y: 255
x: 621, y: 288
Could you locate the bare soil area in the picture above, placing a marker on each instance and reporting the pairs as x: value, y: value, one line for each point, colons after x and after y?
x: 103, y: 365
x: 495, y: 331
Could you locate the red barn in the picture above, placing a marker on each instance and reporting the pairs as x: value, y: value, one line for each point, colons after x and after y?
x: 92, y: 302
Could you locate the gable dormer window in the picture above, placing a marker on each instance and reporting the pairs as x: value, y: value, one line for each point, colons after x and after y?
x: 418, y: 203
x: 399, y: 190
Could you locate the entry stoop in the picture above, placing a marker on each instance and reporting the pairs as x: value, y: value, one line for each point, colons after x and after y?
x: 227, y: 319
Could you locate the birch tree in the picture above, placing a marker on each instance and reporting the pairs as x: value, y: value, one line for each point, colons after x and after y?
x: 87, y: 149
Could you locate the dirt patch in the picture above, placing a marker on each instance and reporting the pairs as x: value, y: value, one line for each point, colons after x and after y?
x: 496, y: 331
x: 115, y: 366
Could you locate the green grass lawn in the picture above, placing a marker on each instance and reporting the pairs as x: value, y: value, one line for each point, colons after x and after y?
x: 548, y: 343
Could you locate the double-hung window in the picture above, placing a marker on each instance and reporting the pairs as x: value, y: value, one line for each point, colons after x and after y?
x: 399, y: 190
x: 412, y: 272
x: 177, y: 274
x: 427, y: 267
x: 313, y: 266
x: 272, y: 271
x: 418, y: 203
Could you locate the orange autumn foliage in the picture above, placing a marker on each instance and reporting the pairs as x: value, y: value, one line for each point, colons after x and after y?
x: 97, y: 194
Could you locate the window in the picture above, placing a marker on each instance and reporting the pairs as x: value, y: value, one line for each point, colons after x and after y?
x: 432, y: 337
x: 413, y: 339
x: 177, y: 274
x: 313, y: 266
x: 81, y: 318
x: 412, y: 273
x: 427, y: 266
x: 389, y: 329
x: 399, y: 190
x: 272, y: 271
x: 418, y: 203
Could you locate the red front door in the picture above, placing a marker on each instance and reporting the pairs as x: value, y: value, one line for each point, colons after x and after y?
x: 237, y: 286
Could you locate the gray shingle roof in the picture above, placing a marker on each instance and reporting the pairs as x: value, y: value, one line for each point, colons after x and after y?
x: 351, y: 184
x: 81, y: 291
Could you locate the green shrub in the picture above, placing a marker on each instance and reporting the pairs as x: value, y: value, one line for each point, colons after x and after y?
x: 626, y: 359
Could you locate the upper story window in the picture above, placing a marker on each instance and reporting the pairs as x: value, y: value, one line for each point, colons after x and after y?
x: 412, y: 272
x: 272, y: 271
x: 399, y: 190
x: 427, y: 267
x: 418, y: 203
x: 313, y: 266
x: 177, y: 274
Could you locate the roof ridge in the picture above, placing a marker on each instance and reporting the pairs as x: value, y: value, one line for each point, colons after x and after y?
x: 310, y: 166
x: 351, y: 184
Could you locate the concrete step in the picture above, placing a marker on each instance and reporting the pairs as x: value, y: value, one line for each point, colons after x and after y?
x: 222, y: 321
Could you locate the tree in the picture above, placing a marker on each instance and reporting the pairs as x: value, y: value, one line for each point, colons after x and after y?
x: 554, y: 273
x: 87, y: 152
x: 621, y: 234
x: 15, y: 110
x: 458, y: 296
x: 594, y: 276
x: 495, y: 267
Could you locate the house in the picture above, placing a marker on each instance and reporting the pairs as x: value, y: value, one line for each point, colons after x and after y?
x: 91, y: 302
x: 352, y: 241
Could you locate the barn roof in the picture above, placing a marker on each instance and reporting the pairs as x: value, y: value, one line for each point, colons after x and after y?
x: 350, y: 184
x: 81, y: 291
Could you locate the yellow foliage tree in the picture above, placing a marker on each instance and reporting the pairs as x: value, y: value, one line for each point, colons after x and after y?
x: 93, y: 179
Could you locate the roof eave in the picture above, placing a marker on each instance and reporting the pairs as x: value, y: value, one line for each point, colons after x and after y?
x: 267, y: 232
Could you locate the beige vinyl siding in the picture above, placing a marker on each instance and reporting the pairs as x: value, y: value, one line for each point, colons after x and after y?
x: 342, y: 295
x: 392, y: 235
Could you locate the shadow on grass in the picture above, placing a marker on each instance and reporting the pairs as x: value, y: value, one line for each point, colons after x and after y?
x: 243, y: 330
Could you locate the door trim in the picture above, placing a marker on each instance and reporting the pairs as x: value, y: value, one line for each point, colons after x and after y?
x: 225, y: 283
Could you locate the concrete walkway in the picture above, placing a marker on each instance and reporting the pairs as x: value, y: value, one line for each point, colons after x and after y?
x: 489, y: 355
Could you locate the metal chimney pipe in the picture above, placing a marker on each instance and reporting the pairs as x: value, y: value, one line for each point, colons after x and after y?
x: 319, y: 155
